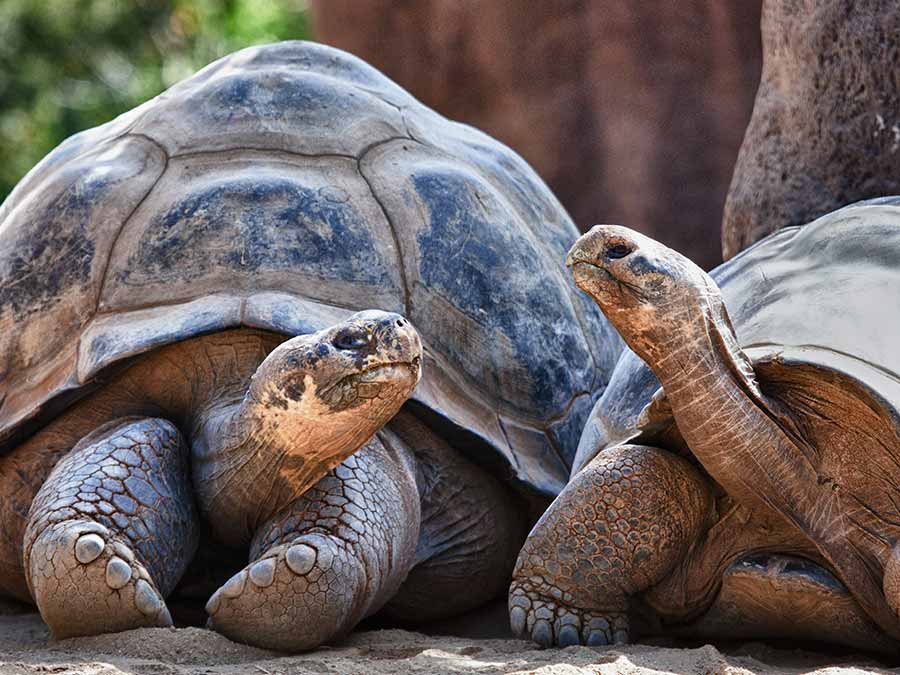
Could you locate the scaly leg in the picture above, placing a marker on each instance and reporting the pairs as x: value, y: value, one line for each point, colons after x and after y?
x: 472, y: 530
x: 111, y: 530
x: 331, y: 558
x: 619, y: 527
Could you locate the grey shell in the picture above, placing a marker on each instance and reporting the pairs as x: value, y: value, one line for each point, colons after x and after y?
x: 824, y: 295
x: 284, y: 187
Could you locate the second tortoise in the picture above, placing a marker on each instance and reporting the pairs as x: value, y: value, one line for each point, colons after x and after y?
x: 757, y: 493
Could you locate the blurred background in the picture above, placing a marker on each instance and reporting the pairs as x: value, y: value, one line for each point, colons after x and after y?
x: 632, y: 112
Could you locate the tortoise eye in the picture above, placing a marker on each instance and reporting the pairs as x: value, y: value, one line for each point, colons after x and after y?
x: 351, y: 341
x: 617, y: 251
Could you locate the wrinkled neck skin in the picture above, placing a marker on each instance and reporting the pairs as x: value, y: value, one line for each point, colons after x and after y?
x: 757, y: 458
x: 722, y: 414
x: 239, y: 475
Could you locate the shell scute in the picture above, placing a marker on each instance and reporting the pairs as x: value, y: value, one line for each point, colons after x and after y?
x: 278, y: 109
x: 54, y: 248
x: 483, y: 291
x: 251, y: 221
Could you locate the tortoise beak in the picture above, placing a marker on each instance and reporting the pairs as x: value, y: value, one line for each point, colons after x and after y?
x: 578, y: 255
x: 589, y: 247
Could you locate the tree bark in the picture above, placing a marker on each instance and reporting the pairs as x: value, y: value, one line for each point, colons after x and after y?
x: 632, y: 112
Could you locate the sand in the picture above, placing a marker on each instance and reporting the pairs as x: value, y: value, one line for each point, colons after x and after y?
x: 26, y: 647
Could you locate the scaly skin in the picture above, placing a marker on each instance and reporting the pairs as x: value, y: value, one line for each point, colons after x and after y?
x: 112, y: 530
x: 310, y: 404
x: 618, y: 528
x: 300, y: 406
x: 263, y: 417
x: 404, y: 520
x: 331, y: 558
x: 178, y: 383
x: 471, y: 530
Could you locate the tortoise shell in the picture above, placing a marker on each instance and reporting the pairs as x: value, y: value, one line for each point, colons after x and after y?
x: 284, y: 187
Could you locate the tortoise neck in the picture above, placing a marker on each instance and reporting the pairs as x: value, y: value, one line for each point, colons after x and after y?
x: 704, y: 353
x: 728, y: 423
x: 755, y: 453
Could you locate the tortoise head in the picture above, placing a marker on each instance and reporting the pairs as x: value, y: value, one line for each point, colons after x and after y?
x: 648, y: 291
x: 357, y: 371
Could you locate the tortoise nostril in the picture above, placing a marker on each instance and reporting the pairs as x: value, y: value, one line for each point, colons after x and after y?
x: 400, y: 323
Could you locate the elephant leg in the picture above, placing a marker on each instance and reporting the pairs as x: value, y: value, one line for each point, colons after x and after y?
x: 472, y: 530
x: 331, y: 558
x: 111, y: 530
x: 619, y: 527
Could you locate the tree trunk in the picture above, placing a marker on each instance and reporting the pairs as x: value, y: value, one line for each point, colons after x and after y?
x: 632, y: 112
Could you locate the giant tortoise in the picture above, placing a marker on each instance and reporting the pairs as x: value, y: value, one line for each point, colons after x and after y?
x: 757, y: 494
x: 180, y: 322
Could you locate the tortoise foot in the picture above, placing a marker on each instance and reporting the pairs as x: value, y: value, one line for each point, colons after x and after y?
x: 619, y: 527
x: 549, y: 622
x: 85, y: 582
x: 294, y: 597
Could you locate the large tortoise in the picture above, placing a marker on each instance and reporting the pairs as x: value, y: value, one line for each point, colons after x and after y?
x: 178, y: 292
x: 757, y: 494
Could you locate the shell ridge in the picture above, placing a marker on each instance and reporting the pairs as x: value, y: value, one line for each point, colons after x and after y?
x: 777, y: 351
x: 102, y: 285
x: 269, y: 151
x: 509, y: 445
x: 393, y: 228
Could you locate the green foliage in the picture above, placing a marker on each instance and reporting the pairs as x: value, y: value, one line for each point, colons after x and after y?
x: 67, y: 65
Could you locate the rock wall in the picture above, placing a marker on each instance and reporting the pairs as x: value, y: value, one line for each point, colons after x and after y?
x: 825, y: 130
x: 633, y: 112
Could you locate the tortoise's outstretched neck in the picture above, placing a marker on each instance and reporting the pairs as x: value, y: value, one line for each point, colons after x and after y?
x: 671, y: 314
x: 725, y: 418
x: 735, y: 432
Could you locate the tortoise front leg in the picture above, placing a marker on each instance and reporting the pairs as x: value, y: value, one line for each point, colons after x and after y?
x: 112, y: 530
x: 619, y: 527
x: 329, y: 559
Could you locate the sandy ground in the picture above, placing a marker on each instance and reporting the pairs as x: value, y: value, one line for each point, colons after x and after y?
x: 26, y: 647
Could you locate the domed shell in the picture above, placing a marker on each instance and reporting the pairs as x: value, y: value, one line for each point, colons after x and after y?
x: 817, y: 309
x: 284, y: 187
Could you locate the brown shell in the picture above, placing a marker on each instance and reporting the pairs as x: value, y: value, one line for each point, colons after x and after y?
x: 284, y: 187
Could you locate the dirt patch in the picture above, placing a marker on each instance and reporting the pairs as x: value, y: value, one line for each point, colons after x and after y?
x: 26, y: 647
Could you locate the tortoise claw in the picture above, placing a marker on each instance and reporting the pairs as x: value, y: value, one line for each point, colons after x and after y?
x: 85, y: 581
x: 549, y: 622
